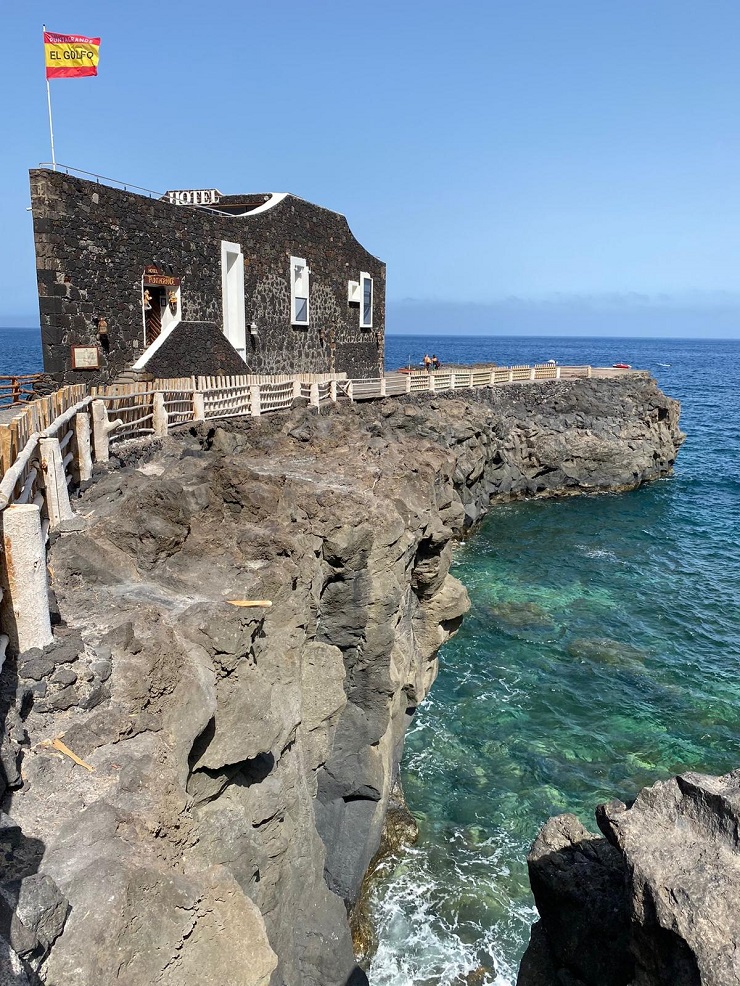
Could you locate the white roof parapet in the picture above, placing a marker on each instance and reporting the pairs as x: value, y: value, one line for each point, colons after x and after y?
x: 275, y: 199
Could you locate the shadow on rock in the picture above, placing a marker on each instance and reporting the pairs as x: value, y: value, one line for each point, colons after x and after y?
x: 357, y: 978
x: 654, y: 902
x: 32, y: 908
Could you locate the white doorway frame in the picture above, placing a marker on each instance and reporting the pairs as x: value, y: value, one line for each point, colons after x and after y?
x: 232, y: 293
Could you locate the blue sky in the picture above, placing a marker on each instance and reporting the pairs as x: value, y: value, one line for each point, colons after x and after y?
x: 521, y: 166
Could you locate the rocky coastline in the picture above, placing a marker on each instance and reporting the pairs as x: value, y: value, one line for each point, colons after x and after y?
x: 651, y: 901
x: 243, y: 757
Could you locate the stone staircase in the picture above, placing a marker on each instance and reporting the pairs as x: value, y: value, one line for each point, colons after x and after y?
x: 132, y: 376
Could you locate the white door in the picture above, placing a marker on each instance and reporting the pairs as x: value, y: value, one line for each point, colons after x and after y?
x: 232, y: 284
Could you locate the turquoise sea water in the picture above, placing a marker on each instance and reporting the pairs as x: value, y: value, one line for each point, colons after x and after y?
x: 601, y: 654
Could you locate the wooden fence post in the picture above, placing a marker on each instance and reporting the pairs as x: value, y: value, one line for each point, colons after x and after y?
x: 199, y: 406
x: 333, y: 390
x: 83, y: 455
x: 56, y: 493
x: 453, y: 380
x: 408, y: 383
x: 102, y: 428
x: 589, y: 372
x: 255, y: 403
x: 511, y: 375
x: 24, y: 604
x: 350, y: 390
x: 6, y: 441
x: 383, y: 390
x: 296, y: 388
x: 557, y: 372
x: 314, y: 398
x: 160, y: 417
x: 492, y: 381
x: 533, y: 373
x: 432, y: 384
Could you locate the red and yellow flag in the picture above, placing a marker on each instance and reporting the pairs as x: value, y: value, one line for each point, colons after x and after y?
x: 69, y: 56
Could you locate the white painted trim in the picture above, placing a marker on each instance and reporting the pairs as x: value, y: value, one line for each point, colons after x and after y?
x: 236, y: 334
x: 364, y: 277
x: 159, y: 341
x: 300, y: 262
x: 275, y: 199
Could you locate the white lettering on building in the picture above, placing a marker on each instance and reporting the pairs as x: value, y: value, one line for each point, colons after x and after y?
x: 194, y: 196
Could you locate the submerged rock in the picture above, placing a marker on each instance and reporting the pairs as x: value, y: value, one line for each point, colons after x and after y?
x: 604, y: 650
x: 520, y: 615
x: 400, y: 830
x: 651, y: 903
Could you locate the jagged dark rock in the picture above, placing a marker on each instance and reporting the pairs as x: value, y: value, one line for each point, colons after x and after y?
x: 244, y: 758
x: 580, y: 886
x: 654, y: 903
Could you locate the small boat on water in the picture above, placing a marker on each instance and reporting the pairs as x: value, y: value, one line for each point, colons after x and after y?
x: 622, y: 366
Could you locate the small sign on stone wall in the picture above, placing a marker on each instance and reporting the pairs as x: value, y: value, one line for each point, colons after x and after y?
x: 85, y: 358
x: 153, y: 277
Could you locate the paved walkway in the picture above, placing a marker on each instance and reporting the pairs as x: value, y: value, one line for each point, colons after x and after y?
x: 7, y: 414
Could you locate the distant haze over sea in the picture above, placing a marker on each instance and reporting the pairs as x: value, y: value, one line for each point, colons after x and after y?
x: 688, y: 314
x: 694, y: 315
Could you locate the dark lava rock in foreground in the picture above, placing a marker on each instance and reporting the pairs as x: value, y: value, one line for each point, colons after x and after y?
x: 652, y: 903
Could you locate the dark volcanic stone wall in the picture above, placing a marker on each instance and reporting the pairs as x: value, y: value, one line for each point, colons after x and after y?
x: 93, y: 243
x: 202, y: 347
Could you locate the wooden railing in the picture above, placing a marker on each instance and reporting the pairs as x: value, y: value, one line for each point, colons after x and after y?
x: 52, y: 443
x: 33, y: 418
x: 151, y: 408
x: 135, y: 410
x: 17, y: 390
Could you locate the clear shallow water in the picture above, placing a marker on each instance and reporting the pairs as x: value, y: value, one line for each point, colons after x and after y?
x: 601, y: 654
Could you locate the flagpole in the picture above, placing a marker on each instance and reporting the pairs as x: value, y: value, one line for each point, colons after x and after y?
x: 51, y: 124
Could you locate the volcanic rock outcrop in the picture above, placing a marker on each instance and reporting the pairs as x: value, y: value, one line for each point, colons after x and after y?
x: 651, y: 903
x: 242, y: 756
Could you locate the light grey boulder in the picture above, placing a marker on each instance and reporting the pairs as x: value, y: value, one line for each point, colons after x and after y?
x: 655, y: 903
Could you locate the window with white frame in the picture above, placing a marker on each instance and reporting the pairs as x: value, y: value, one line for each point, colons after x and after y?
x: 299, y: 274
x: 366, y: 301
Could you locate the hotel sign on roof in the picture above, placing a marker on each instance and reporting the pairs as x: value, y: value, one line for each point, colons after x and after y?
x: 193, y: 196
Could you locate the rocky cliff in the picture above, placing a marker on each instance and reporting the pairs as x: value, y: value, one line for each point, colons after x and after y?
x: 651, y: 902
x: 237, y: 760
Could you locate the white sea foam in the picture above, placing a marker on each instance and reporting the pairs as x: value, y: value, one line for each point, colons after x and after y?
x: 420, y: 947
x: 597, y: 553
